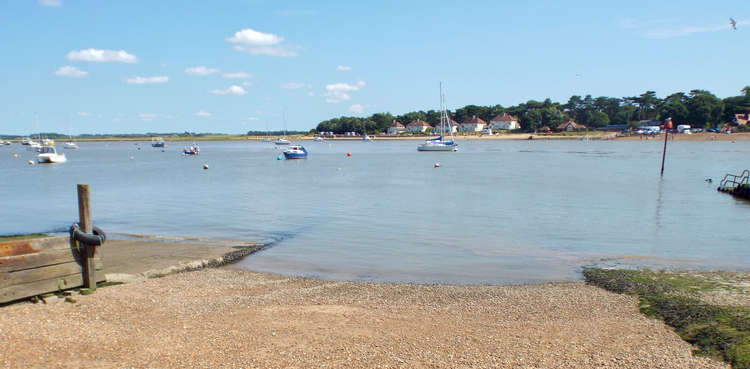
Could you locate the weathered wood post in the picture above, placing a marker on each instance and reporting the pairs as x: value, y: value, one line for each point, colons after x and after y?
x: 84, y: 215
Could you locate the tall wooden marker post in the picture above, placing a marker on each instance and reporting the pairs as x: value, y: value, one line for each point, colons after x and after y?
x: 84, y: 215
x: 667, y: 127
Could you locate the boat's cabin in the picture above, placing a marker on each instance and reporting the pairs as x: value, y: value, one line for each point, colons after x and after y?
x: 296, y: 147
x: 47, y: 150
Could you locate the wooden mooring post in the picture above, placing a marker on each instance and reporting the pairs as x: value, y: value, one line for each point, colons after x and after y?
x: 89, y: 255
x: 41, y: 265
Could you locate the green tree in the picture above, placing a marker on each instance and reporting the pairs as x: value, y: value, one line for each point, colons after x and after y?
x: 598, y: 119
x: 530, y: 120
x: 675, y: 106
x: 704, y: 109
x: 382, y: 121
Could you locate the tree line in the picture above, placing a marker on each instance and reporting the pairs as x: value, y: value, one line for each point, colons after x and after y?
x: 699, y: 108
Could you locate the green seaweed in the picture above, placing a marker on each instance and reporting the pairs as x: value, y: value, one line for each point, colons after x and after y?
x: 17, y: 237
x: 715, y: 330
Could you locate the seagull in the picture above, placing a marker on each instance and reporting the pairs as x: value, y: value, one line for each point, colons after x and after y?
x: 733, y: 23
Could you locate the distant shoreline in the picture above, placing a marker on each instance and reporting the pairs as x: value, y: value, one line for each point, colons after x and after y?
x: 598, y: 135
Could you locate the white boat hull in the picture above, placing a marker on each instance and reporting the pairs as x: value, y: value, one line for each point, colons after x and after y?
x: 70, y: 145
x: 51, y: 158
x: 429, y: 146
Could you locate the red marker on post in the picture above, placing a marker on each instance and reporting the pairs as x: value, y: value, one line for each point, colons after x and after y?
x: 667, y: 127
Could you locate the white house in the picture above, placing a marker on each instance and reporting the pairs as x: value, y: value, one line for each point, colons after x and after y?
x: 504, y: 121
x: 570, y: 126
x: 396, y: 128
x: 474, y: 124
x: 453, y: 127
x: 417, y: 126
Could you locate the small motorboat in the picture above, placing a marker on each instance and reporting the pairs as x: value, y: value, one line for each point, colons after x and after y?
x: 366, y: 138
x: 282, y: 141
x: 295, y: 152
x: 318, y: 139
x: 48, y: 154
x: 191, y: 150
x: 158, y: 142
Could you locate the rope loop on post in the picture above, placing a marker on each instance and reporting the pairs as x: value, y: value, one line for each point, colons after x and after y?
x: 96, y: 239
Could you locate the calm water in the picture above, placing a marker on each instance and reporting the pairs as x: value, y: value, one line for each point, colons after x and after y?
x: 495, y: 212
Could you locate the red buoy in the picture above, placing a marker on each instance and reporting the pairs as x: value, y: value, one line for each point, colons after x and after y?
x: 348, y: 154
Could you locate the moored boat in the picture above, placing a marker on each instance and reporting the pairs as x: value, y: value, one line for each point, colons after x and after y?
x: 48, y: 154
x: 191, y: 150
x: 158, y: 142
x: 282, y: 141
x: 441, y: 143
x: 295, y: 152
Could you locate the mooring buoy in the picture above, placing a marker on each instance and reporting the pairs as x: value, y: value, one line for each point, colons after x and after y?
x: 205, y: 166
x: 278, y: 157
x: 437, y: 165
x: 31, y: 162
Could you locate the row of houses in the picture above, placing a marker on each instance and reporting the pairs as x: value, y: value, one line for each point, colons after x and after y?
x: 503, y: 121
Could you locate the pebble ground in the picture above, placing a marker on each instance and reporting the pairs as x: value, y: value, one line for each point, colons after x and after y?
x: 226, y: 318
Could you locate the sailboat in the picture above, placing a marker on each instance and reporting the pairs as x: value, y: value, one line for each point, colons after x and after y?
x: 365, y: 137
x: 70, y: 144
x: 441, y: 143
x: 283, y: 140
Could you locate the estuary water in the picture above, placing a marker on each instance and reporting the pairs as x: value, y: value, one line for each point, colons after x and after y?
x: 493, y: 212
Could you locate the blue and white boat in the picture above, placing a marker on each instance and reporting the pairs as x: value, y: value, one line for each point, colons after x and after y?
x: 441, y: 143
x: 295, y: 152
x: 191, y: 150
x: 158, y: 142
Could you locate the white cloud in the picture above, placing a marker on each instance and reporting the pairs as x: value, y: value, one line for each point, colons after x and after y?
x: 247, y: 83
x: 70, y: 71
x: 101, y: 56
x: 295, y: 85
x: 147, y: 80
x: 200, y: 71
x: 668, y: 29
x: 203, y: 114
x: 50, y: 2
x: 356, y: 108
x: 259, y: 43
x: 252, y: 118
x: 83, y: 114
x: 232, y: 90
x: 147, y: 117
x: 344, y: 68
x: 338, y: 92
x: 238, y: 75
x: 251, y: 37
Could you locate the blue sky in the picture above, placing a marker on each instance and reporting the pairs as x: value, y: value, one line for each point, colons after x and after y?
x: 78, y: 66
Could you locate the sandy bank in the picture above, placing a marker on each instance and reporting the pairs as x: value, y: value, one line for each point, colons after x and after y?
x: 703, y: 136
x: 231, y: 318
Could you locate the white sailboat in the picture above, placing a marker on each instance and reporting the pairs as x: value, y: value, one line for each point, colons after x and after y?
x: 282, y: 140
x: 71, y: 145
x: 441, y: 143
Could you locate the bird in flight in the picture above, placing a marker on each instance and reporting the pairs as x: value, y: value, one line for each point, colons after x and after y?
x: 733, y: 23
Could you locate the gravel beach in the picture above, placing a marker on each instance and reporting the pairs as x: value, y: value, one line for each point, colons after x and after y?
x: 237, y: 319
